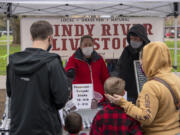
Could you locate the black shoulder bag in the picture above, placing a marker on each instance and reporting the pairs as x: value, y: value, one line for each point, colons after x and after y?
x: 176, y: 102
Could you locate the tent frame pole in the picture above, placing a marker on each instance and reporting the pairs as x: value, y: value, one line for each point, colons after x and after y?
x: 8, y: 42
x: 175, y: 42
x: 175, y: 34
x: 9, y: 14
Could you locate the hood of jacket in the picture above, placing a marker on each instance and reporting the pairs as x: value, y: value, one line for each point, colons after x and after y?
x: 156, y: 62
x: 30, y: 60
x: 140, y: 31
x: 156, y: 59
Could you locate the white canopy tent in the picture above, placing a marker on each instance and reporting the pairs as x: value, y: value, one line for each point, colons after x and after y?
x: 102, y: 8
x: 160, y: 8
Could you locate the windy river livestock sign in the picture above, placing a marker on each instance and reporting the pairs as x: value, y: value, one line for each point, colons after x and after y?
x: 109, y: 33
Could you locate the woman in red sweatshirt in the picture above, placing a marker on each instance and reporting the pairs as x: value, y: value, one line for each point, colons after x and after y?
x: 86, y: 66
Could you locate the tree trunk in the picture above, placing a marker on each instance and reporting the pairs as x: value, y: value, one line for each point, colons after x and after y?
x: 15, y: 27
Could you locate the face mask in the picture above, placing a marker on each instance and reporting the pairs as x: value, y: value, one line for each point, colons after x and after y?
x: 136, y: 44
x: 87, y: 51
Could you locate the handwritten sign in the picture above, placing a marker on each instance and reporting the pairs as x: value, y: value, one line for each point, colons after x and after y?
x: 82, y: 95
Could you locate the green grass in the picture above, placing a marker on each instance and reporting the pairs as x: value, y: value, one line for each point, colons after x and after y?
x: 3, y: 58
x: 178, y: 59
x: 3, y: 52
x: 4, y: 38
x: 170, y: 44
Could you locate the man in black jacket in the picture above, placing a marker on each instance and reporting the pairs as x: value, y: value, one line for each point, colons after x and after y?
x: 137, y: 39
x: 37, y: 86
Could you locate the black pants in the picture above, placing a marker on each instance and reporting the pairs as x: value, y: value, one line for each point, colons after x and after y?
x: 131, y: 99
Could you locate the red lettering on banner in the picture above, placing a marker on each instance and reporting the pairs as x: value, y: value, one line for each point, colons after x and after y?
x: 148, y: 28
x: 67, y: 30
x: 106, y: 30
x: 54, y: 45
x: 90, y: 29
x: 105, y: 43
x: 56, y: 30
x: 109, y: 36
x: 115, y: 29
x: 79, y: 30
x: 96, y: 44
x: 114, y: 44
x: 74, y: 46
x: 123, y: 28
x: 124, y: 42
x: 64, y: 44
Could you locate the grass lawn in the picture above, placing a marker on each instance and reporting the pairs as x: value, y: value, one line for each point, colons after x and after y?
x: 3, y: 58
x: 171, y: 43
x: 4, y: 38
x: 3, y: 54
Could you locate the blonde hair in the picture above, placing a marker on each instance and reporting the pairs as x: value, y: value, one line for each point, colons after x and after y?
x: 114, y: 85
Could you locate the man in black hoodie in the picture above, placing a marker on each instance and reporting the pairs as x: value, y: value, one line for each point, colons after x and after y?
x: 137, y: 39
x: 37, y: 86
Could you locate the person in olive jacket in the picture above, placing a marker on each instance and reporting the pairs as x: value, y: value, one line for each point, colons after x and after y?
x: 158, y: 103
x: 137, y: 39
x: 37, y: 86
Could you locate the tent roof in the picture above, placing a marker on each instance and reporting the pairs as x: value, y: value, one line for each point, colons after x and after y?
x: 159, y: 8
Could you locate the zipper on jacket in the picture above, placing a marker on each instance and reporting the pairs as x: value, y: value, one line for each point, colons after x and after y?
x: 91, y: 78
x: 90, y: 71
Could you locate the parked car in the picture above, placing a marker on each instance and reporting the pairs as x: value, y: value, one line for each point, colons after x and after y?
x: 172, y: 35
x: 5, y: 33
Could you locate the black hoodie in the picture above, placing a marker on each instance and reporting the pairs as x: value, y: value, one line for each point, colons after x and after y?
x: 125, y: 68
x: 37, y: 85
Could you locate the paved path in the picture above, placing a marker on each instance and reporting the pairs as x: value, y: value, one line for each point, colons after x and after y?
x: 178, y: 73
x: 2, y: 82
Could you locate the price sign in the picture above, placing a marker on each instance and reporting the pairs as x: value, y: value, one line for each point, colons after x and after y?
x: 82, y: 95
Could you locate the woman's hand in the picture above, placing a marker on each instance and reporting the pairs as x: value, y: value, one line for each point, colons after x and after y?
x: 116, y: 99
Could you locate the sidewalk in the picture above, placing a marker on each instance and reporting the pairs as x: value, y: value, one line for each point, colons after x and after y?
x: 2, y: 82
x: 178, y: 73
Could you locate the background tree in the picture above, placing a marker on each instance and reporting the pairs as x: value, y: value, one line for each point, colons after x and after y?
x: 15, y: 27
x: 2, y: 23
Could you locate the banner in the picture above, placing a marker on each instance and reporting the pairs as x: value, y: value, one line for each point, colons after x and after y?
x: 109, y: 33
